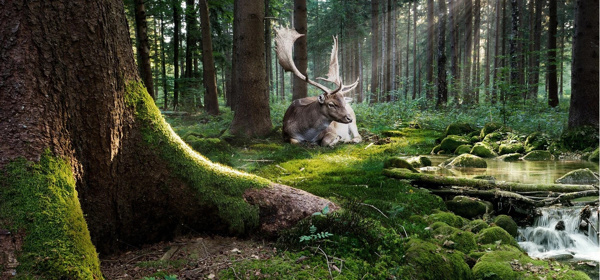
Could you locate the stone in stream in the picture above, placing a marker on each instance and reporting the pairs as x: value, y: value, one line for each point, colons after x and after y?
x: 560, y: 226
x: 579, y: 176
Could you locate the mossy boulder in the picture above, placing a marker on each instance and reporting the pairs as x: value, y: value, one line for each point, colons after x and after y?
x: 511, y: 148
x: 419, y: 161
x: 507, y: 223
x: 437, y: 225
x: 510, y: 157
x: 466, y: 207
x: 475, y: 226
x: 493, y: 137
x: 450, y: 143
x: 494, y: 234
x: 584, y: 138
x: 468, y: 161
x: 463, y: 149
x: 538, y: 155
x: 446, y: 217
x: 580, y: 176
x: 214, y: 149
x: 396, y: 162
x: 536, y: 141
x: 423, y: 256
x: 489, y: 128
x: 458, y: 128
x: 594, y: 156
x: 482, y: 149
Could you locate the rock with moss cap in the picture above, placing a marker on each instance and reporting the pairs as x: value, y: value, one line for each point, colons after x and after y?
x: 510, y: 148
x: 453, y: 238
x: 396, y: 162
x: 429, y: 261
x: 467, y: 161
x: 507, y: 223
x: 476, y: 226
x: 580, y: 176
x: 419, y: 161
x: 510, y: 157
x: 466, y: 207
x: 536, y: 141
x: 493, y: 137
x: 463, y: 149
x: 446, y: 217
x: 450, y: 143
x: 538, y: 155
x: 495, y: 234
x: 458, y: 128
x: 489, y: 128
x: 482, y: 149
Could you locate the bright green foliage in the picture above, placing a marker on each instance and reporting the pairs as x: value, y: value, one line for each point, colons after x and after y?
x: 466, y: 207
x: 39, y: 200
x: 469, y: 161
x: 482, y: 149
x: 507, y: 223
x: 476, y: 226
x: 494, y: 234
x: 463, y: 149
x: 458, y: 129
x: 510, y: 157
x: 217, y: 185
x: 214, y: 149
x: 511, y: 148
x: 428, y: 261
x: 538, y: 155
x: 450, y: 143
x: 446, y: 217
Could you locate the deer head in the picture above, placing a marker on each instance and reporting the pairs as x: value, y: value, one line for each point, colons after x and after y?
x: 332, y: 100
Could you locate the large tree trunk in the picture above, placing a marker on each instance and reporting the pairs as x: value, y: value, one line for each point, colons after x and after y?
x: 552, y: 77
x: 468, y: 47
x: 584, y: 75
x: 81, y: 138
x: 514, y: 50
x: 252, y: 115
x: 300, y: 89
x: 211, y: 102
x: 175, y: 5
x: 430, y: 51
x: 442, y: 92
x: 143, y: 45
x: 374, y: 51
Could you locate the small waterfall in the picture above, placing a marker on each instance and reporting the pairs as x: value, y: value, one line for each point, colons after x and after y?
x: 543, y: 240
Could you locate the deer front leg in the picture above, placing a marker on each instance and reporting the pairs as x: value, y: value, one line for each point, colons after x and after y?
x: 330, y: 138
x: 294, y: 141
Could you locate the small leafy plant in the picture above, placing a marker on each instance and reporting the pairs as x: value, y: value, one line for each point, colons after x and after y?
x: 314, y: 235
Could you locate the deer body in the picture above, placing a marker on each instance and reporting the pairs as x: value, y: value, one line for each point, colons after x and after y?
x: 310, y: 119
x: 347, y: 132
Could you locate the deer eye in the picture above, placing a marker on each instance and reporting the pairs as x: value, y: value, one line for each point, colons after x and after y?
x: 331, y: 105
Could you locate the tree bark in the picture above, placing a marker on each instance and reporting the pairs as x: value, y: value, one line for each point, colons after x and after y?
x: 496, y: 73
x: 454, y: 50
x: 143, y: 45
x: 415, y: 60
x: 374, y: 51
x: 389, y: 53
x: 300, y: 89
x: 442, y: 92
x: 430, y: 51
x: 81, y: 138
x: 211, y: 101
x: 514, y: 50
x: 476, y: 50
x: 163, y: 62
x: 407, y: 51
x: 175, y: 5
x: 552, y: 77
x: 584, y: 73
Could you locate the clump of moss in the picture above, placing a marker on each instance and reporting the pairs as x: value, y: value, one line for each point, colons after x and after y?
x: 595, y: 155
x: 509, y: 148
x: 446, y: 217
x: 493, y: 234
x: 213, y: 148
x: 459, y: 128
x: 536, y: 141
x: 396, y: 162
x: 39, y: 200
x: 482, y: 149
x: 583, y: 138
x: 579, y: 176
x: 476, y: 226
x: 421, y: 256
x: 466, y: 207
x: 538, y: 155
x: 510, y: 157
x: 419, y: 161
x: 450, y: 143
x: 489, y: 128
x: 493, y: 137
x: 463, y: 149
x: 468, y: 161
x: 507, y: 223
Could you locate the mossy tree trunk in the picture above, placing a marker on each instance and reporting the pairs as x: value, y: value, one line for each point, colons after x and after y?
x: 87, y: 159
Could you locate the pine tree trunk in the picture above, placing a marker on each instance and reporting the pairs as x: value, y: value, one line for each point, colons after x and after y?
x: 442, y: 87
x: 430, y: 51
x: 300, y: 49
x: 454, y: 49
x: 176, y: 32
x: 415, y: 60
x: 163, y: 62
x: 468, y: 39
x: 407, y: 51
x: 374, y: 51
x: 514, y: 51
x: 143, y: 45
x: 584, y: 73
x: 389, y: 53
x: 88, y: 159
x: 552, y: 77
x: 488, y: 52
x: 476, y: 48
x: 496, y: 73
x: 211, y: 101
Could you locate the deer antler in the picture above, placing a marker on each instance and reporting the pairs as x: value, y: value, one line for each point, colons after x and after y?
x: 285, y: 41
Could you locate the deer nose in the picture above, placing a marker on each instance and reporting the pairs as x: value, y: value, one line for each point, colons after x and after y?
x: 347, y: 119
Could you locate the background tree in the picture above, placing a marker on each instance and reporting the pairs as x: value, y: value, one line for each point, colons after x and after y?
x: 430, y: 51
x: 374, y: 50
x: 300, y: 48
x: 143, y: 45
x: 442, y: 92
x: 552, y: 75
x: 211, y: 102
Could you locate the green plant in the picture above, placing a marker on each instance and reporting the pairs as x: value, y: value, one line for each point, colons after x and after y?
x: 314, y: 235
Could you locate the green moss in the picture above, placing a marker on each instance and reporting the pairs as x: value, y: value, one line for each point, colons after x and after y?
x: 538, y: 155
x: 507, y: 223
x: 419, y: 161
x: 428, y: 261
x: 466, y: 207
x: 450, y: 143
x: 481, y: 149
x: 595, y: 156
x: 510, y: 157
x: 476, y: 226
x: 446, y: 217
x: 458, y: 129
x: 579, y: 176
x: 396, y: 162
x: 39, y: 201
x: 536, y: 141
x: 214, y: 149
x: 493, y: 234
x: 463, y: 149
x: 217, y: 185
x: 489, y: 128
x: 511, y: 148
x: 469, y: 161
x: 493, y: 137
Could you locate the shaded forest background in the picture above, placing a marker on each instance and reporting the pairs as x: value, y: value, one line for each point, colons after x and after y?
x: 439, y: 54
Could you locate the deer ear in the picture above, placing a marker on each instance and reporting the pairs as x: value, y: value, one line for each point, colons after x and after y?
x: 321, y: 98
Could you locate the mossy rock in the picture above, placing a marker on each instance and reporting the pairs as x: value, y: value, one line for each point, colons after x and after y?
x: 468, y: 161
x: 583, y: 138
x: 466, y: 207
x: 419, y: 161
x: 594, y: 156
x: 489, y: 128
x: 511, y: 148
x: 393, y: 133
x: 442, y: 229
x: 464, y: 241
x: 538, y: 155
x: 493, y: 137
x: 463, y: 149
x: 510, y: 157
x: 482, y: 149
x: 580, y: 176
x: 450, y: 143
x: 458, y: 128
x: 536, y: 141
x: 396, y: 162
x: 508, y: 224
x: 475, y: 226
x: 422, y: 256
x: 493, y: 234
x: 446, y: 217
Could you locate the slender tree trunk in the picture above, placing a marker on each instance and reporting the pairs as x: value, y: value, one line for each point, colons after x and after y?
x: 476, y: 50
x: 584, y: 75
x: 407, y: 79
x: 211, y: 101
x: 175, y: 5
x: 454, y: 49
x: 155, y: 57
x: 268, y: 47
x: 496, y: 73
x: 488, y: 52
x: 442, y: 87
x: 253, y: 118
x: 415, y: 60
x: 552, y: 77
x: 514, y: 51
x: 389, y: 53
x: 361, y: 82
x: 163, y: 62
x: 468, y: 39
x: 300, y: 49
x: 430, y: 51
x: 534, y: 75
x: 143, y: 45
x: 374, y: 51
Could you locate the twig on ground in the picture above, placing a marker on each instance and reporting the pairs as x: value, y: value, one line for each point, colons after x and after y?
x: 365, y: 204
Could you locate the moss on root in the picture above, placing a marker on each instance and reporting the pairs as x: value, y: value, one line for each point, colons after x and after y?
x: 39, y: 201
x: 217, y: 185
x: 428, y: 261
